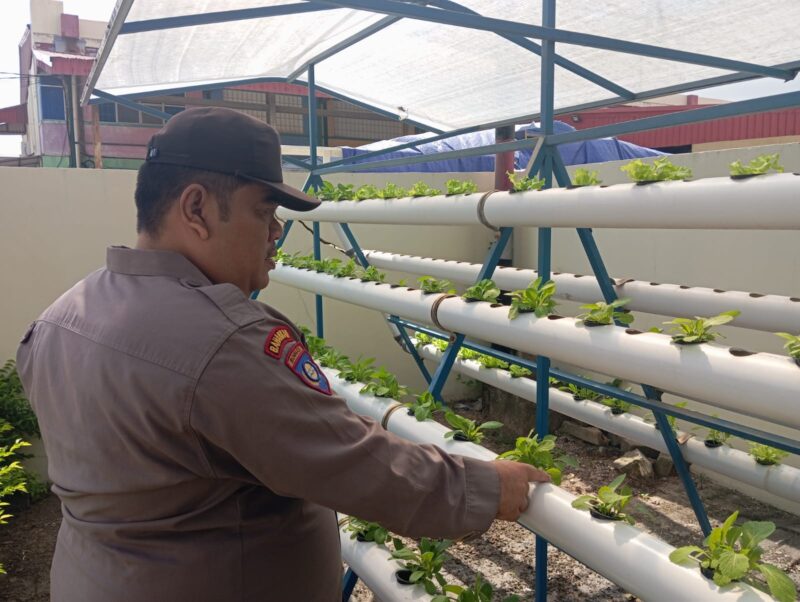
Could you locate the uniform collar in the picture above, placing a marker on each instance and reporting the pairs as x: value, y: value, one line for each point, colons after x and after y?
x: 139, y: 262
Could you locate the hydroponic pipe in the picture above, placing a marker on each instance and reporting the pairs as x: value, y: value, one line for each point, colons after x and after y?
x: 770, y: 313
x: 613, y: 549
x: 767, y: 202
x: 373, y: 565
x: 762, y: 385
x: 781, y: 480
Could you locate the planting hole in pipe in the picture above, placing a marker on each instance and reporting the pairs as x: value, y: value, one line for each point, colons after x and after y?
x: 740, y: 352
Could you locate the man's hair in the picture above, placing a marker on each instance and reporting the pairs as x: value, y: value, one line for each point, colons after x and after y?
x: 159, y: 185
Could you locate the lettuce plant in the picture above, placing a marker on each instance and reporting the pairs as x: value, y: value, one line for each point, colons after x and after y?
x: 618, y: 406
x: 349, y: 269
x: 584, y: 177
x: 422, y: 189
x: 536, y: 299
x: 608, y: 502
x: 518, y: 371
x: 392, y: 191
x: 661, y: 169
x: 792, y: 344
x: 440, y: 344
x: 384, y: 384
x: 331, y: 358
x: 760, y: 165
x: 731, y: 552
x: 468, y: 429
x: 429, y: 284
x: 372, y: 274
x: 484, y: 290
x: 316, y: 346
x: 692, y: 332
x: 424, y: 406
x: 603, y: 314
x: 424, y: 565
x: 359, y: 371
x: 469, y: 354
x: 367, y: 191
x: 520, y: 183
x: 422, y: 339
x: 766, y: 455
x: 491, y: 362
x: 671, y: 420
x: 461, y: 187
x: 715, y: 438
x: 334, y: 192
x: 480, y: 591
x: 364, y: 530
x: 326, y: 265
x: 540, y: 453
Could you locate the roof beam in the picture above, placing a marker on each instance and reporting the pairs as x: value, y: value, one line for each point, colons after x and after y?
x: 243, y: 14
x: 457, y: 19
x: 115, y: 23
x: 133, y: 105
x: 537, y: 49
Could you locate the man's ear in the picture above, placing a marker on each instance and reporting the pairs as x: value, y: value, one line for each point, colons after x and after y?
x: 196, y: 210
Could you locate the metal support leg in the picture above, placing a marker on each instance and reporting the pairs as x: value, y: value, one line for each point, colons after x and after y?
x: 286, y: 227
x: 413, y: 351
x: 443, y: 370
x: 360, y: 257
x: 318, y: 298
x: 348, y: 584
x: 495, y: 253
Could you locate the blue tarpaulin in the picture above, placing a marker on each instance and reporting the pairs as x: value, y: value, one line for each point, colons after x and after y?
x: 575, y: 153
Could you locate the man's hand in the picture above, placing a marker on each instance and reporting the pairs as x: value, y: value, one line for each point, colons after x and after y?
x: 514, y: 484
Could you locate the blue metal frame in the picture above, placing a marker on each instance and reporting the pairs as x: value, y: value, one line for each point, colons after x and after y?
x: 348, y: 584
x: 360, y: 257
x: 125, y: 102
x: 460, y: 19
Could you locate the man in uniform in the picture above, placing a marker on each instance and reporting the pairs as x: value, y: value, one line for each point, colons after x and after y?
x: 195, y: 447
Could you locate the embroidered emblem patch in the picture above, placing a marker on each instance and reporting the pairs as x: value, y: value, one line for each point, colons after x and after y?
x: 299, y: 361
x: 277, y: 339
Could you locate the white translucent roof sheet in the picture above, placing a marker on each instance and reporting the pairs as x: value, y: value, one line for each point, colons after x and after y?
x: 445, y: 76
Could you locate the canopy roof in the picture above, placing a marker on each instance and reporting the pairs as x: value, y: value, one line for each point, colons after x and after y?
x: 445, y: 76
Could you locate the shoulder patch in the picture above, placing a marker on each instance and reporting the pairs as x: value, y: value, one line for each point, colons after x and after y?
x: 299, y: 361
x: 277, y: 339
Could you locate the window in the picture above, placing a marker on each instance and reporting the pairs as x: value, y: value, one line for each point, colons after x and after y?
x: 108, y: 112
x: 126, y: 115
x: 152, y: 119
x: 52, y: 102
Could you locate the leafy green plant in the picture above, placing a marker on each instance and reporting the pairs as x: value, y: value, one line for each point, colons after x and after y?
x: 730, y: 552
x: 12, y: 475
x: 372, y: 274
x: 540, y: 453
x: 792, y: 344
x: 392, y: 191
x: 518, y: 371
x: 349, y: 269
x: 659, y: 170
x: 480, y: 591
x: 484, y: 290
x: 461, y: 187
x: 359, y: 371
x: 367, y: 191
x: 581, y: 393
x: 334, y: 192
x: 584, y: 177
x: 715, y: 438
x: 327, y: 265
x: 422, y: 339
x: 466, y: 429
x: 671, y: 420
x: 608, y: 502
x: 603, y: 314
x: 618, y: 406
x: 14, y: 407
x: 766, y: 455
x: 469, y: 354
x: 384, y: 384
x: 440, y: 344
x: 424, y: 564
x: 429, y: 284
x: 424, y: 406
x: 536, y: 299
x: 687, y: 331
x: 422, y: 189
x: 760, y: 165
x: 316, y: 346
x: 520, y: 183
x: 331, y: 358
x: 491, y: 362
x: 364, y: 530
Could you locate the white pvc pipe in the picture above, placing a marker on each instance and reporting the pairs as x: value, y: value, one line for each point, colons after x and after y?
x: 770, y: 313
x: 373, y: 565
x: 780, y: 480
x: 762, y: 385
x: 613, y: 549
x: 768, y: 202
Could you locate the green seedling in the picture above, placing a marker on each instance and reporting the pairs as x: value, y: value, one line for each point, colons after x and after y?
x: 661, y: 169
x: 422, y: 189
x: 327, y: 266
x: 429, y: 284
x: 792, y: 344
x: 536, y: 299
x: 520, y: 183
x: 608, y: 502
x: 766, y: 455
x: 467, y: 429
x: 760, y: 165
x: 422, y: 339
x: 367, y: 191
x: 485, y: 290
x: 372, y: 274
x: 349, y: 269
x: 618, y: 406
x: 730, y: 553
x: 424, y: 564
x: 692, y: 332
x: 671, y: 420
x: 459, y: 187
x: 334, y: 192
x: 384, y: 384
x: 364, y: 530
x: 584, y: 177
x: 715, y: 438
x: 331, y: 358
x: 316, y: 346
x: 489, y: 361
x: 361, y: 370
x: 392, y: 191
x: 469, y: 354
x: 603, y: 314
x: 440, y: 344
x: 540, y: 453
x: 518, y: 371
x: 480, y: 591
x: 425, y: 406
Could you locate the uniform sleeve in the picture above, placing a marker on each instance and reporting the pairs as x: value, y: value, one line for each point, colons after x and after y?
x: 299, y: 442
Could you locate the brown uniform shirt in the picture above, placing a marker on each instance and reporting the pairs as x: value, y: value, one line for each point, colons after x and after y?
x: 194, y: 465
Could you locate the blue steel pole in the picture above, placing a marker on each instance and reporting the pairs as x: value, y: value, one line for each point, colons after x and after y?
x: 348, y: 584
x: 312, y: 149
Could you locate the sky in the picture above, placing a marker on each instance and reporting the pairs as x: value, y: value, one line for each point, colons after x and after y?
x: 16, y: 16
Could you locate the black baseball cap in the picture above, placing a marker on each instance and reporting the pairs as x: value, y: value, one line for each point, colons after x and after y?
x: 229, y: 142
